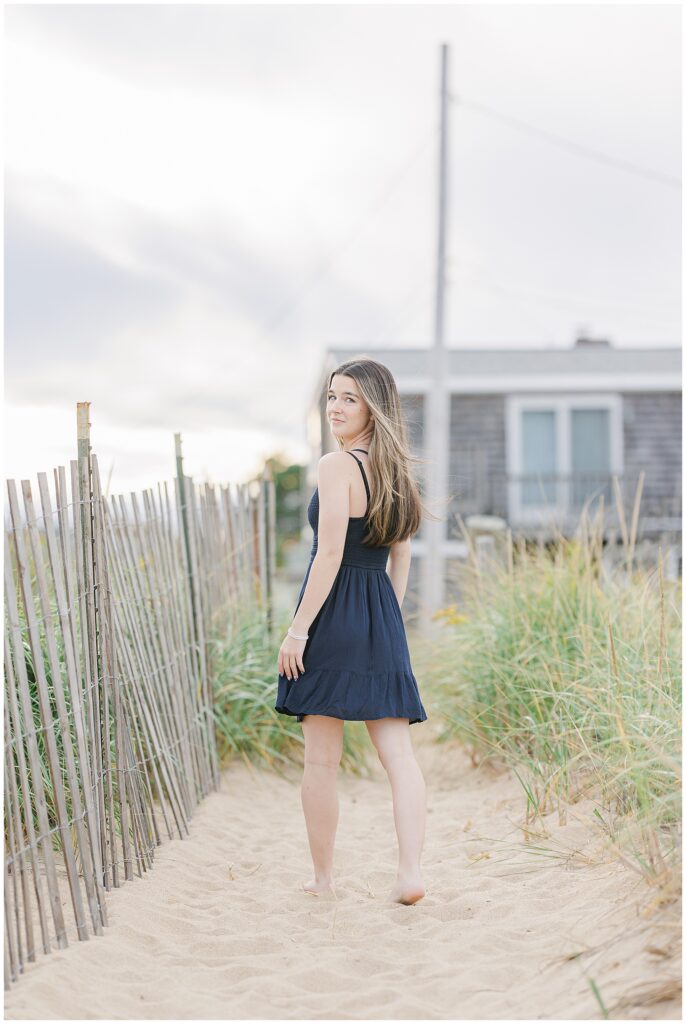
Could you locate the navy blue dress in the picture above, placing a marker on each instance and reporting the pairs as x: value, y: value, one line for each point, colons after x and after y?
x: 357, y: 663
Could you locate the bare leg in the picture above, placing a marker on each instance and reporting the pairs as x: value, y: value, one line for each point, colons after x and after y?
x: 323, y: 749
x: 391, y: 737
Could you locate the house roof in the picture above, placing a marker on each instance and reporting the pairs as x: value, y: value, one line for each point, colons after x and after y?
x: 586, y: 365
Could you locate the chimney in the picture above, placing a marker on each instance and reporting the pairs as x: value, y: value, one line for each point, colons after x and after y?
x: 583, y: 341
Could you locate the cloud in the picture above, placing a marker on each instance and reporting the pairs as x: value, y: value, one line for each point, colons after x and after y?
x: 160, y: 323
x: 209, y: 47
x: 64, y: 298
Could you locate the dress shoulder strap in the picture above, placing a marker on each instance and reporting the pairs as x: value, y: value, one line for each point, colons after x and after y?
x: 364, y: 475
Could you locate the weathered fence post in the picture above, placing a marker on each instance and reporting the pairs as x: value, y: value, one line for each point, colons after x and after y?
x: 183, y: 506
x: 265, y: 546
x: 270, y: 533
x: 86, y: 588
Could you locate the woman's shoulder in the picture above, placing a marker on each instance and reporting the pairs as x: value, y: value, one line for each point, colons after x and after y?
x: 333, y: 458
x: 333, y: 463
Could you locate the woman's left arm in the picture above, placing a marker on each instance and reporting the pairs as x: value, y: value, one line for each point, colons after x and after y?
x: 334, y: 509
x: 399, y: 568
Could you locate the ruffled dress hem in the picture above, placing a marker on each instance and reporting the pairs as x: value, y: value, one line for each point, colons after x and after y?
x: 351, y: 696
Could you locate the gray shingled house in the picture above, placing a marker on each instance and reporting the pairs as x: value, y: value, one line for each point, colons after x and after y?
x: 533, y: 432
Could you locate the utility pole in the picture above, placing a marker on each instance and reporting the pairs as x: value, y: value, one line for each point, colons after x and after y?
x: 437, y: 410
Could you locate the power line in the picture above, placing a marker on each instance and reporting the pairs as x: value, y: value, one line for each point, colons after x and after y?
x: 522, y: 302
x: 325, y: 265
x: 568, y: 144
x: 424, y: 289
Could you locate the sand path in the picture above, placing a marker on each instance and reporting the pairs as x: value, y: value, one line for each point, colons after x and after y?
x: 220, y: 928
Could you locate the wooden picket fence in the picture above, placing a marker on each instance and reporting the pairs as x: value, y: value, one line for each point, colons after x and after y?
x: 112, y: 615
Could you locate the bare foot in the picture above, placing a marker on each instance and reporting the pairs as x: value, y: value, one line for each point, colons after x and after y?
x: 408, y: 890
x: 316, y: 888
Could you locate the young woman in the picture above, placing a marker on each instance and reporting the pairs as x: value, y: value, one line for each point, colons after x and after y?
x: 345, y: 656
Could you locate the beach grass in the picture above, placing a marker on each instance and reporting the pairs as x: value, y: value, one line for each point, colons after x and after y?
x: 568, y: 671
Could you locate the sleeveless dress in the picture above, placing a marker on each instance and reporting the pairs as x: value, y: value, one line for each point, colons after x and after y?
x: 357, y: 663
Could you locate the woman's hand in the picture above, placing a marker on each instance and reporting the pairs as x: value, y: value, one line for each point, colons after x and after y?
x: 291, y: 656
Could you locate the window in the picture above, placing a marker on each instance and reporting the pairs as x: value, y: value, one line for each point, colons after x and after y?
x: 538, y: 457
x: 561, y: 451
x: 590, y: 454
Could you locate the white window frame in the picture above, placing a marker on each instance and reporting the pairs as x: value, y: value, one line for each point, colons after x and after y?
x: 561, y: 405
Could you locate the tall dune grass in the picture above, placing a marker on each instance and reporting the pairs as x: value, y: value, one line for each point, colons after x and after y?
x: 570, y: 673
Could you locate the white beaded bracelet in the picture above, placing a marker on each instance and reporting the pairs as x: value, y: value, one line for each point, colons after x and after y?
x: 295, y: 635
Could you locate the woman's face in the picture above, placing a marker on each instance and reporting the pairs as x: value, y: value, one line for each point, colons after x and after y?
x: 347, y: 411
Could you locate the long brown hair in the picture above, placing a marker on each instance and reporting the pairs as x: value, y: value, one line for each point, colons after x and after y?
x: 395, y: 511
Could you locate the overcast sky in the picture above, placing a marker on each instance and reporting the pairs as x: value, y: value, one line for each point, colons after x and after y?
x: 200, y: 199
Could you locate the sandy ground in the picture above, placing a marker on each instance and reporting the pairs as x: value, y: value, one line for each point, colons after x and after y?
x: 220, y: 928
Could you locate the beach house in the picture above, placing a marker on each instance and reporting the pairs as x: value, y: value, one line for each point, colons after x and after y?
x: 533, y: 433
